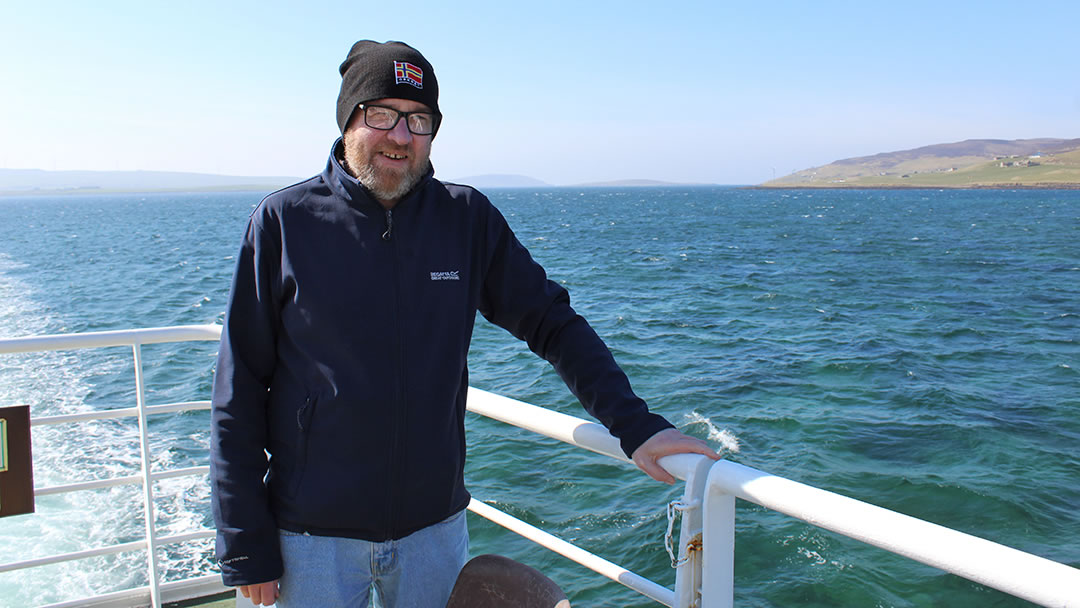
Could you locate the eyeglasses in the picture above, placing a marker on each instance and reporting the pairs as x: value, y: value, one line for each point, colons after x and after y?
x: 385, y: 119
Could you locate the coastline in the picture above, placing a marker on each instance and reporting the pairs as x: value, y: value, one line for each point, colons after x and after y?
x: 39, y: 192
x: 1002, y: 186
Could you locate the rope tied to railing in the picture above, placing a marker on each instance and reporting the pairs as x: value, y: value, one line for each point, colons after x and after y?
x: 673, y: 507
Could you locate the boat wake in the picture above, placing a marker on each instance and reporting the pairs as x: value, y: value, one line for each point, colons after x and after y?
x: 58, y: 383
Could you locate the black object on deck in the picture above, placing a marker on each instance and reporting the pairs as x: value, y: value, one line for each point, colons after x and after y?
x: 493, y: 581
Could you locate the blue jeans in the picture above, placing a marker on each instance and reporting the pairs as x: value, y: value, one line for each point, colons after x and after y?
x: 417, y: 571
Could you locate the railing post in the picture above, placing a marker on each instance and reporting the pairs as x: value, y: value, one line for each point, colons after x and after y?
x: 148, y: 485
x: 718, y: 540
x: 688, y: 575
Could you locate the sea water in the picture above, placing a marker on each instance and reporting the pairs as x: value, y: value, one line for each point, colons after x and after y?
x: 916, y: 349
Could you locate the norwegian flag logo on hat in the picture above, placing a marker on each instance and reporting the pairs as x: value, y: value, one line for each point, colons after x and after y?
x: 405, y: 72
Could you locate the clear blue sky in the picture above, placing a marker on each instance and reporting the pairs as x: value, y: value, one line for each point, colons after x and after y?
x: 566, y: 92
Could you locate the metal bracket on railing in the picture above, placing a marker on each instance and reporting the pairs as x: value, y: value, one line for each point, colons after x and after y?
x: 669, y: 541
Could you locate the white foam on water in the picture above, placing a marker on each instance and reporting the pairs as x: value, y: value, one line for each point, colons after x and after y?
x: 54, y: 383
x: 727, y: 440
x: 18, y: 313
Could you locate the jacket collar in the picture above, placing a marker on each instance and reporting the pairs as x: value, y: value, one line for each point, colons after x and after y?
x: 350, y: 189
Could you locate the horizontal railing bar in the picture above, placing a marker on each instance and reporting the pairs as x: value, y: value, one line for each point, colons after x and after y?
x: 151, y: 410
x: 100, y: 339
x: 171, y: 408
x: 566, y: 428
x: 184, y: 472
x: 98, y: 484
x: 186, y: 589
x: 84, y: 416
x: 1015, y: 572
x: 593, y: 562
x: 186, y: 537
x: 137, y: 545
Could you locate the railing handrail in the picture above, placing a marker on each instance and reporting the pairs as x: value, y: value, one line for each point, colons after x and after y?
x: 1024, y: 575
x: 127, y: 412
x: 119, y: 337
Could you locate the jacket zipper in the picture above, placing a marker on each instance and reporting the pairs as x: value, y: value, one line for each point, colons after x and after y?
x: 389, y: 225
x: 303, y: 424
x: 399, y: 431
x: 302, y: 413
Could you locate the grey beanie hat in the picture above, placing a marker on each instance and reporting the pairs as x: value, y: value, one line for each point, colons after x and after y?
x: 392, y: 69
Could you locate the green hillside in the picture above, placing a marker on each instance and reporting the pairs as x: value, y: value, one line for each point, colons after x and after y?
x: 971, y: 164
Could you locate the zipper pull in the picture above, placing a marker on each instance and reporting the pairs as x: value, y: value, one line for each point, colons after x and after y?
x: 389, y: 225
x: 301, y: 414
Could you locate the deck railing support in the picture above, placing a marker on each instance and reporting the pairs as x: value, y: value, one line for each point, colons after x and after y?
x: 718, y: 536
x: 688, y: 558
x: 147, y: 481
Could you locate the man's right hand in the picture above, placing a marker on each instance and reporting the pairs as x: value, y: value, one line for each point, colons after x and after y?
x: 262, y: 594
x: 666, y: 443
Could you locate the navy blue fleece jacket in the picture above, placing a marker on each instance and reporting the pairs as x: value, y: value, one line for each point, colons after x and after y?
x: 339, y: 395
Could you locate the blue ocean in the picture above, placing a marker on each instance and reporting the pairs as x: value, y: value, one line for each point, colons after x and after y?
x: 916, y: 349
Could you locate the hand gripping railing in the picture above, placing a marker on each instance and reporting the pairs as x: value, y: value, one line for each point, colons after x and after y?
x: 151, y: 541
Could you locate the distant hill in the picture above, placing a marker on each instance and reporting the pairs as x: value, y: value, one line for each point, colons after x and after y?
x: 628, y: 183
x: 524, y: 181
x: 974, y: 163
x: 36, y: 181
x: 499, y: 180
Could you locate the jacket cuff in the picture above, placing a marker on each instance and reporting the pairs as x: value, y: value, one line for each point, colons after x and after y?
x: 237, y: 570
x: 651, y: 425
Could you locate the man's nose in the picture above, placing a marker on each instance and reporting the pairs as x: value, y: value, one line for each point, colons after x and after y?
x: 400, y: 133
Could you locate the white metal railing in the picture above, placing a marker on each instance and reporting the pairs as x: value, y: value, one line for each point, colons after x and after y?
x: 152, y: 541
x: 705, y: 571
x: 1036, y: 579
x: 705, y: 557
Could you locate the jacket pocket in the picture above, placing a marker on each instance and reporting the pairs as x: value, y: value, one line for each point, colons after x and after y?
x: 304, y: 417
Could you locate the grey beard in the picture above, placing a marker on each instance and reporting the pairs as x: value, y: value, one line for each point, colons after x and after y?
x: 367, y: 178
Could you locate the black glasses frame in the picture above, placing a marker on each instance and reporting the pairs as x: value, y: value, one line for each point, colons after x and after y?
x: 363, y: 107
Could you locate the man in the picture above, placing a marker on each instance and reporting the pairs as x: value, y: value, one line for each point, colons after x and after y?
x: 343, y: 360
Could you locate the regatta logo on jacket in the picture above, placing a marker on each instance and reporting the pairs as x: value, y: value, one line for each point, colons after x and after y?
x: 408, y: 73
x: 446, y: 276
